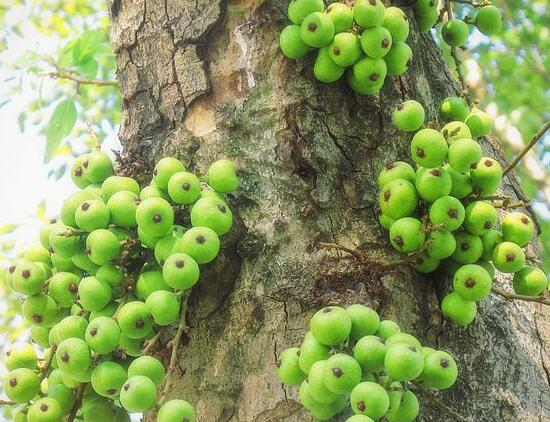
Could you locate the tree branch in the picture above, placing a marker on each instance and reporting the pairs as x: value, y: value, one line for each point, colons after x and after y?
x: 182, y: 328
x: 79, y: 80
x: 512, y: 296
x: 536, y: 137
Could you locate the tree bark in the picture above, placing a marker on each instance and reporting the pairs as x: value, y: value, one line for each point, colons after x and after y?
x: 203, y: 80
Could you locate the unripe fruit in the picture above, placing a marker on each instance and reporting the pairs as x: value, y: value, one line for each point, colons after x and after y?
x: 396, y: 22
x: 40, y: 335
x: 21, y: 385
x: 398, y: 58
x: 454, y: 108
x: 396, y: 170
x: 71, y: 204
x: 518, y: 228
x: 464, y: 155
x: 110, y: 274
x: 20, y: 355
x: 102, y: 335
x: 28, y: 277
x: 180, y: 271
x: 385, y: 221
x: 45, y: 410
x: 63, y: 288
x: 200, y: 243
x: 442, y: 244
x: 456, y: 130
x: 152, y: 191
x: 291, y: 45
x: 138, y: 394
x: 134, y: 320
x: 83, y: 262
x: 370, y: 399
x: 316, y: 382
x: 458, y: 311
x: 212, y: 213
x: 479, y: 122
x: 433, y: 183
x: 425, y: 264
x: 341, y: 373
x: 407, y: 234
x: 368, y: 13
x: 387, y: 328
x: 164, y: 247
x: 363, y: 87
x: 164, y: 169
x: 403, y: 362
x: 94, y: 294
x: 398, y: 199
x: 114, y: 184
x: 370, y: 71
x: 376, y: 42
x: 122, y: 208
x: 184, y: 187
x: 426, y: 21
x: 311, y: 351
x: 472, y: 282
x: 408, y: 116
x: 489, y: 20
x: 331, y: 325
x: 98, y: 167
x: 63, y: 264
x: 176, y: 411
x: 440, y: 370
x: 403, y: 338
x: 429, y: 148
x: 311, y: 404
x: 407, y: 411
x: 63, y: 395
x: 39, y: 309
x: 45, y: 231
x: 63, y: 243
x: 317, y: 30
x: 108, y: 378
x: 370, y: 352
x: 299, y: 9
x: 508, y: 257
x: 98, y: 409
x: 364, y: 320
x: 469, y: 248
x: 69, y: 327
x: 480, y: 217
x: 73, y: 356
x: 341, y: 15
x: 155, y: 216
x: 108, y: 311
x: 288, y: 368
x: 455, y: 32
x: 486, y: 177
x: 462, y: 184
x: 530, y: 281
x: 37, y: 253
x: 147, y: 239
x: 222, y: 176
x: 345, y: 49
x: 487, y: 266
x: 130, y: 346
x: 78, y: 172
x: 148, y: 282
x: 102, y: 246
x: 164, y: 307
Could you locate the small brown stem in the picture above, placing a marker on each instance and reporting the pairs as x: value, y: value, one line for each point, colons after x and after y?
x: 77, y: 402
x: 151, y: 343
x: 7, y: 403
x: 79, y: 80
x: 473, y: 3
x: 536, y: 137
x: 358, y: 255
x: 512, y: 296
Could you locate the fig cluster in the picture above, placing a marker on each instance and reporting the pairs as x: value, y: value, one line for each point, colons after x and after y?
x: 442, y: 211
x: 366, y: 41
x: 349, y: 357
x: 104, y: 279
x: 455, y: 32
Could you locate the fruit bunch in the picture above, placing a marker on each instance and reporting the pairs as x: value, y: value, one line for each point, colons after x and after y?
x: 487, y: 19
x: 104, y: 279
x: 350, y: 354
x: 444, y: 210
x: 366, y: 41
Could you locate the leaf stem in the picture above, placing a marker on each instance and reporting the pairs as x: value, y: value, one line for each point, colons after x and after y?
x: 536, y: 137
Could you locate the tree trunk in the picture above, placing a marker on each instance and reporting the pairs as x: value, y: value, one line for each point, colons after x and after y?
x: 204, y: 79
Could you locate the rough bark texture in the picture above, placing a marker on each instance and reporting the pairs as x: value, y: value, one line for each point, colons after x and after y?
x: 203, y: 79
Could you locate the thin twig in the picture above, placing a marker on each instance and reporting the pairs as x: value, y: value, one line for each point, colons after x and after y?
x: 358, y: 255
x: 439, y: 403
x: 94, y: 136
x: 45, y: 370
x: 182, y: 328
x: 77, y: 402
x: 79, y: 80
x: 473, y: 3
x: 512, y: 296
x: 7, y: 403
x: 151, y: 343
x: 511, y: 205
x: 536, y: 137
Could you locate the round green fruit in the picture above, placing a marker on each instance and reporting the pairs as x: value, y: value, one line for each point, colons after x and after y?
x: 39, y: 309
x: 469, y: 248
x: 165, y: 169
x: 345, y: 49
x: 480, y: 217
x: 98, y: 167
x: 370, y: 399
x: 455, y: 32
x: 441, y: 244
x: 138, y: 394
x: 517, y: 227
x: 403, y: 362
x: 148, y: 282
x: 78, y: 172
x: 396, y: 170
x: 454, y: 108
x: 20, y: 355
x: 317, y: 30
x: 155, y: 216
x: 185, y: 187
x: 94, y: 294
x: 292, y: 46
x: 222, y: 176
x: 288, y: 368
x: 299, y: 9
x: 368, y: 13
x: 508, y: 257
x: 325, y: 70
x: 122, y: 208
x: 180, y: 271
x: 63, y: 395
x: 45, y: 409
x: 102, y: 335
x: 458, y: 311
x: 164, y: 307
x: 407, y: 411
x: 479, y: 122
x: 387, y: 328
x: 455, y: 130
x: 63, y: 288
x: 364, y: 320
x: 408, y: 116
x: 21, y: 385
x: 433, y: 183
x: 212, y: 213
x: 376, y: 42
x: 398, y: 199
x: 108, y: 378
x: 176, y: 411
x: 398, y: 58
x: 331, y: 325
x: 464, y: 155
x: 200, y: 243
x: 370, y: 352
x: 407, y: 234
x: 370, y: 71
x: 489, y: 20
x: 102, y: 246
x: 530, y: 281
x: 316, y: 383
x: 472, y: 282
x: 341, y: 15
x: 487, y: 176
x: 429, y: 148
x: 440, y: 370
x: 341, y: 373
x: 311, y: 351
x: 73, y: 356
x: 448, y: 213
x: 396, y: 22
x: 114, y: 184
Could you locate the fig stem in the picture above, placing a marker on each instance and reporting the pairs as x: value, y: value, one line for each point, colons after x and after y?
x: 512, y: 296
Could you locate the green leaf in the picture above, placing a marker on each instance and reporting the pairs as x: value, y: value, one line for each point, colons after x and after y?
x: 89, y: 67
x: 7, y: 228
x: 86, y: 46
x: 59, y: 126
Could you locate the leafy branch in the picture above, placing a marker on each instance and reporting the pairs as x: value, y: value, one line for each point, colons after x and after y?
x: 60, y: 74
